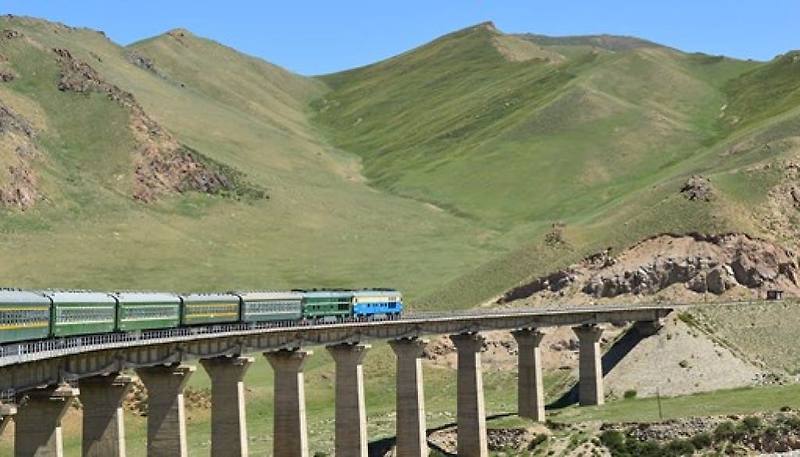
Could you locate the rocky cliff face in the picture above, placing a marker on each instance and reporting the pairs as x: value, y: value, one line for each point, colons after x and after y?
x: 781, y: 213
x: 162, y: 165
x: 18, y: 181
x: 697, y: 264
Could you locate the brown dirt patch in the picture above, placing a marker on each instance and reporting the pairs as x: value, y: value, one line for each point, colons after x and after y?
x: 516, y: 49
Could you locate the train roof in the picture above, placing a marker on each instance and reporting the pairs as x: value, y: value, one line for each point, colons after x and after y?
x: 326, y: 293
x: 80, y: 297
x: 269, y: 294
x: 363, y: 292
x: 210, y: 297
x: 147, y: 297
x: 9, y: 296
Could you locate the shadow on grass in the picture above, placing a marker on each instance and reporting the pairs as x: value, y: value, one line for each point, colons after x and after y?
x: 611, y: 359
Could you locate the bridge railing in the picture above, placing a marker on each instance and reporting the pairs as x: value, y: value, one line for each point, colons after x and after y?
x: 36, y: 350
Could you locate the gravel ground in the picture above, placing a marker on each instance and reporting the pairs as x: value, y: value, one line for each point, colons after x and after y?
x: 679, y: 360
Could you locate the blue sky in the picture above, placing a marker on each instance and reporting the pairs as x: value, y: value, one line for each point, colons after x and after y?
x: 314, y: 37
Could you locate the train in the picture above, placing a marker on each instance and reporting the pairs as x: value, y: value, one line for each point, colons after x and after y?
x: 34, y: 315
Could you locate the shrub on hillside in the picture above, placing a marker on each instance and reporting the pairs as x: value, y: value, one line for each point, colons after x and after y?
x: 751, y: 424
x: 790, y: 422
x: 702, y: 440
x: 537, y: 440
x: 724, y: 431
x: 679, y: 448
x: 613, y: 440
x: 619, y: 445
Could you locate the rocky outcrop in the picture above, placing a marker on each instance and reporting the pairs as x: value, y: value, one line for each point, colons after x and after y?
x: 699, y: 274
x: 7, y: 75
x: 782, y: 209
x: 178, y: 35
x: 143, y: 62
x: 10, y: 34
x: 78, y: 76
x: 758, y: 433
x: 19, y: 182
x: 700, y: 264
x: 161, y: 164
x: 178, y: 171
x: 697, y: 188
x: 553, y: 282
x: 11, y: 122
x: 513, y: 440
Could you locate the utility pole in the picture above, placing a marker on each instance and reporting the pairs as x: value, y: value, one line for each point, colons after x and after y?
x: 658, y: 399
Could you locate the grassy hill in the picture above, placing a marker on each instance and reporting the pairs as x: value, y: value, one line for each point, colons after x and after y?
x: 599, y: 138
x: 437, y: 122
x: 453, y: 160
x: 321, y: 225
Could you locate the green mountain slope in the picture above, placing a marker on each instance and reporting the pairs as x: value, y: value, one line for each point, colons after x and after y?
x: 600, y: 139
x: 437, y: 122
x: 452, y: 160
x: 321, y: 225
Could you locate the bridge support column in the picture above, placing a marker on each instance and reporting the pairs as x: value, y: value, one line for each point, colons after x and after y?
x: 590, y: 368
x: 530, y: 383
x: 7, y: 412
x: 411, y: 425
x: 38, y: 422
x: 470, y: 410
x: 648, y: 328
x: 228, y: 421
x: 166, y: 418
x: 103, y: 423
x: 290, y: 437
x: 351, y: 415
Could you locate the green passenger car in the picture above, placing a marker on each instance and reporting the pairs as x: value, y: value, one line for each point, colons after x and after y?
x: 23, y: 316
x: 82, y: 313
x: 201, y: 309
x: 271, y: 306
x: 146, y: 311
x: 324, y: 303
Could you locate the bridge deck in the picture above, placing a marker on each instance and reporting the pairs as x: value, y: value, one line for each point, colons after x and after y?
x: 410, y: 325
x: 35, y: 363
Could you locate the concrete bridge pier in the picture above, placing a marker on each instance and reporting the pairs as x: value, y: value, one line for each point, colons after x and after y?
x: 228, y: 421
x: 590, y: 376
x: 7, y: 412
x: 166, y: 417
x: 290, y: 437
x: 648, y: 328
x: 530, y: 382
x: 103, y: 418
x: 38, y: 422
x: 470, y: 409
x: 411, y: 424
x: 351, y: 415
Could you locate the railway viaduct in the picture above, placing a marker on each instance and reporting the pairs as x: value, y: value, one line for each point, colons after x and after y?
x: 40, y: 380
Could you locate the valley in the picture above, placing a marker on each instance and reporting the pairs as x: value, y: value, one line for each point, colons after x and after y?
x: 480, y: 169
